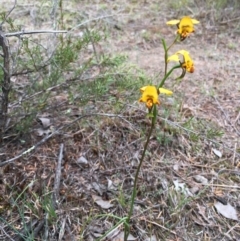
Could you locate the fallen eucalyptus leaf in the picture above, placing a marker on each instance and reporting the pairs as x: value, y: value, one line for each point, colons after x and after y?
x: 201, y: 179
x: 82, y: 160
x: 120, y: 237
x: 45, y: 122
x: 228, y: 211
x: 100, y: 202
x: 99, y: 188
x: 182, y: 188
x: 217, y: 152
x: 41, y: 132
x: 152, y: 238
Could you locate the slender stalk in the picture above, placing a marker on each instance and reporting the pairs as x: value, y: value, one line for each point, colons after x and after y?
x: 167, y: 75
x: 166, y: 51
x: 174, y: 41
x: 165, y: 55
x: 127, y: 226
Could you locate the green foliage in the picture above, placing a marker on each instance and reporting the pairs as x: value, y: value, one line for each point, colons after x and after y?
x: 179, y: 4
x: 121, y: 198
x: 200, y: 127
x: 222, y: 4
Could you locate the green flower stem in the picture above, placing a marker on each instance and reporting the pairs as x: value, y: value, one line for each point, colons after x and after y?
x: 127, y: 226
x: 166, y: 51
x: 167, y: 75
x: 175, y: 40
x: 165, y: 55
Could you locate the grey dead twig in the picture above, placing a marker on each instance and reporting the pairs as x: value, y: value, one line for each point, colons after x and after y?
x: 226, y: 116
x: 7, y: 235
x: 5, y: 85
x: 57, y: 177
x: 57, y: 131
x: 9, y: 12
x: 6, y: 67
x: 16, y: 34
x: 33, y: 227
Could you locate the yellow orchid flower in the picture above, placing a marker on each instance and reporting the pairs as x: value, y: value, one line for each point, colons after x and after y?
x: 160, y: 90
x: 187, y: 61
x: 185, y: 26
x: 149, y: 96
x: 165, y: 91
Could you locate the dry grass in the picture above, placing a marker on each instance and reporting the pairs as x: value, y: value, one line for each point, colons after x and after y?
x: 103, y: 139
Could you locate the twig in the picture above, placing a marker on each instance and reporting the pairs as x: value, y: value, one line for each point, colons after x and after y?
x: 69, y: 232
x: 229, y: 20
x: 6, y: 85
x: 29, y: 150
x: 28, y: 71
x: 57, y: 131
x: 93, y: 44
x: 231, y: 229
x: 26, y: 229
x: 199, y: 134
x: 38, y: 228
x: 221, y: 185
x: 157, y: 224
x: 226, y: 116
x: 57, y: 177
x: 66, y: 83
x: 34, y: 32
x: 6, y: 234
x: 9, y: 12
x: 93, y: 19
x: 62, y: 229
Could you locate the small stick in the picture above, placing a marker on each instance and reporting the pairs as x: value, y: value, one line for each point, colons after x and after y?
x: 157, y: 224
x: 6, y: 233
x: 34, y: 32
x: 57, y: 177
x: 226, y: 116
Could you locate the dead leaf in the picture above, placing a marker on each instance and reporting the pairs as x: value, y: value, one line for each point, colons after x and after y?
x: 82, y: 160
x: 176, y: 167
x: 42, y: 132
x: 45, y: 122
x: 201, y: 179
x: 182, y: 188
x: 120, y: 237
x: 111, y: 185
x: 217, y: 152
x: 202, y: 212
x: 152, y: 238
x: 194, y: 189
x: 99, y: 188
x: 100, y: 202
x: 228, y: 211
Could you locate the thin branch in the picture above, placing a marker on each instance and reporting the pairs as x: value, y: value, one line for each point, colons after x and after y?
x: 229, y: 20
x: 159, y: 225
x: 226, y: 116
x: 6, y: 234
x: 6, y: 85
x: 28, y: 71
x: 57, y: 131
x: 15, y: 2
x: 38, y: 228
x: 34, y: 32
x: 94, y: 19
x: 199, y: 134
x: 172, y: 123
x: 57, y: 177
x: 93, y: 44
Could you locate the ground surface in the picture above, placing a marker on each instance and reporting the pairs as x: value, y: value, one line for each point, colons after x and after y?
x: 193, y: 159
